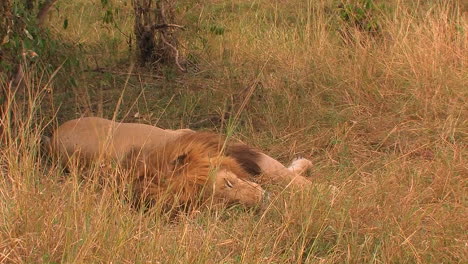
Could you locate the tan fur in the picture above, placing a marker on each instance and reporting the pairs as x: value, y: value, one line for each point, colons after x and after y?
x: 181, y: 164
x: 95, y: 138
x: 168, y: 164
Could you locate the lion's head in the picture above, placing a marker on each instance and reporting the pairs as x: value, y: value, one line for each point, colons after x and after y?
x: 194, y: 168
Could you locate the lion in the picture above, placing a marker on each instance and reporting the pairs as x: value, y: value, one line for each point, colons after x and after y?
x: 182, y: 163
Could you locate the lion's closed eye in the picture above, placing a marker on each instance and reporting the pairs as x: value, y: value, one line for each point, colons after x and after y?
x: 228, y: 183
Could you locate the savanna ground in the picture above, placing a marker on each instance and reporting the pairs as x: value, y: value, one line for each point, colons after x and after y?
x: 376, y: 96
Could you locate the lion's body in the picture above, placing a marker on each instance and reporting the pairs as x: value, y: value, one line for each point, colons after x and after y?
x: 178, y: 161
x: 93, y: 136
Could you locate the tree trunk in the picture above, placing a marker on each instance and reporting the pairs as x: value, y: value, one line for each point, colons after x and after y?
x: 29, y: 5
x: 154, y: 32
x: 5, y: 21
x: 5, y: 30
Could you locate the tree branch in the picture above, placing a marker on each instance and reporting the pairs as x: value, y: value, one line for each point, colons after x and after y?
x: 175, y: 51
x: 162, y: 26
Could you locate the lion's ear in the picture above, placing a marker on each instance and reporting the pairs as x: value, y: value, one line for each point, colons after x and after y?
x: 134, y: 158
x: 246, y: 156
x: 180, y: 160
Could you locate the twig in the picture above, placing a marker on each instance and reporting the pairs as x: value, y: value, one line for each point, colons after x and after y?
x: 176, y: 53
x: 102, y: 70
x: 163, y: 26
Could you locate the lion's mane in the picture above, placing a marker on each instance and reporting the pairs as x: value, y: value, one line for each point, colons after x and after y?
x: 184, y: 166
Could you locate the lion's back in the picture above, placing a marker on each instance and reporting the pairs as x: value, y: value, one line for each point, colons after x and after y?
x: 93, y: 136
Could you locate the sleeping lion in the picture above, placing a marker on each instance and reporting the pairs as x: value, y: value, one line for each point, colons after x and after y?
x: 164, y: 163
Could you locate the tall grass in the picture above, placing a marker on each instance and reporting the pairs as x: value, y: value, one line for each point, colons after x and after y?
x: 382, y: 115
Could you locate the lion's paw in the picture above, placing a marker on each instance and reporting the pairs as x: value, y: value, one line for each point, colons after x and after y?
x: 300, y: 165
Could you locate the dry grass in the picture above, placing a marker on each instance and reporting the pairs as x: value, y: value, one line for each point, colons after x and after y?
x: 383, y: 117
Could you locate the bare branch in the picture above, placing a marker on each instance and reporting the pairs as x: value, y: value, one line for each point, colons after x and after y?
x: 163, y: 26
x: 163, y: 12
x: 175, y: 51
